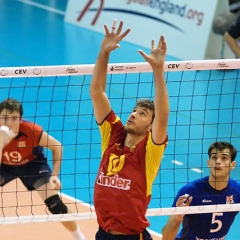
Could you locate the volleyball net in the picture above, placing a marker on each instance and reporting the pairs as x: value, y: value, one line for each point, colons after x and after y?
x: 204, y: 108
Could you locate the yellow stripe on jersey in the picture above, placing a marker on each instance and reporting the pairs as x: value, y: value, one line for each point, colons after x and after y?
x: 154, y: 154
x: 105, y: 131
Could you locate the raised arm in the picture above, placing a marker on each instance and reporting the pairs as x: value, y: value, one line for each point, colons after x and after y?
x: 170, y: 230
x: 100, y: 100
x: 157, y: 59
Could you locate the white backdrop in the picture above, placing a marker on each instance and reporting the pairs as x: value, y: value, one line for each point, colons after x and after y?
x: 186, y: 24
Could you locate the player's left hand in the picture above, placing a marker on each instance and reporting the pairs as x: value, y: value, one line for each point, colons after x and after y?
x: 158, y: 54
x: 55, y: 182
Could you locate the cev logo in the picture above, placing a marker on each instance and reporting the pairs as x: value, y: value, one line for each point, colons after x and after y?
x: 20, y: 71
x: 173, y: 65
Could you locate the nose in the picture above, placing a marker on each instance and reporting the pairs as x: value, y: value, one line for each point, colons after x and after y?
x: 218, y: 161
x: 133, y: 114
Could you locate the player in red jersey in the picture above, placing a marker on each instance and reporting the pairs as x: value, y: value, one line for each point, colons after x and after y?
x: 22, y: 156
x: 131, y: 153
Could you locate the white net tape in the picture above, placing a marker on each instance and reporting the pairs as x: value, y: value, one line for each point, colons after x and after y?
x: 116, y: 68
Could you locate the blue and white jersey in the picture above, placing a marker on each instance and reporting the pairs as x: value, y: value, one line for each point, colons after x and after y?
x: 208, y: 226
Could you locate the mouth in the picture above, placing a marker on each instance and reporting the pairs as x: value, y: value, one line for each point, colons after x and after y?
x: 130, y: 121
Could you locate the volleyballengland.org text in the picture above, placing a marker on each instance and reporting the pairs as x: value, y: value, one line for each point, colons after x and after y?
x: 172, y: 8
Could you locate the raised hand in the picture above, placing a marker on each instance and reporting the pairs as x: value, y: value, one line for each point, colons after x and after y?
x: 157, y: 56
x: 111, y: 39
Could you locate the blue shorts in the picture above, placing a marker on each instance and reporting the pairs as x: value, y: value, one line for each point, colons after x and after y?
x: 28, y: 173
x: 102, y: 235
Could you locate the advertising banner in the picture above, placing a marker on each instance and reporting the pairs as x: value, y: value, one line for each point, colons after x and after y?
x: 186, y: 24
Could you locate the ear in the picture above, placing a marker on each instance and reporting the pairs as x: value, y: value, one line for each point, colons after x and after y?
x: 232, y: 165
x: 208, y: 162
x: 150, y: 128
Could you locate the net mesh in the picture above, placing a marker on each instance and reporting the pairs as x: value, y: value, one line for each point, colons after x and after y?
x: 204, y: 107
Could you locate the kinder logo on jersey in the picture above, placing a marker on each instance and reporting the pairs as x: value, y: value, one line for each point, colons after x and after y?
x: 229, y: 199
x: 113, y: 182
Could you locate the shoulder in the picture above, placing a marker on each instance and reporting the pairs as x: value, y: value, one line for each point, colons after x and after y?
x: 195, y: 186
x: 26, y: 125
x: 112, y: 117
x: 234, y: 184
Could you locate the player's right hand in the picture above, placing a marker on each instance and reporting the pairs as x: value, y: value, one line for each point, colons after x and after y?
x: 184, y: 200
x: 5, y: 137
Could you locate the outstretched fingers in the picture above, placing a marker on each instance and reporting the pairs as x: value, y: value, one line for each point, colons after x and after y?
x: 162, y: 44
x: 119, y: 30
x: 106, y: 29
x: 153, y: 44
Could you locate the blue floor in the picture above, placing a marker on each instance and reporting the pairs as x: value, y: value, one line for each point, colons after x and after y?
x: 36, y: 35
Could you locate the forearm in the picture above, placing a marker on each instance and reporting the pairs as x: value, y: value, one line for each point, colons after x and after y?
x: 232, y: 43
x: 57, y: 161
x: 99, y: 73
x: 161, y: 95
x: 170, y: 230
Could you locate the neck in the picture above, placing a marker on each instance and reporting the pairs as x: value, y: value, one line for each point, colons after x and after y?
x: 132, y: 140
x: 218, y: 183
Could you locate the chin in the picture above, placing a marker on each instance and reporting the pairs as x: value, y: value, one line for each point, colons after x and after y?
x: 128, y: 130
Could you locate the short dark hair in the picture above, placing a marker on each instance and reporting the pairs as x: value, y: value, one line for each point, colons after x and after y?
x: 221, y: 146
x: 146, y: 103
x: 12, y: 105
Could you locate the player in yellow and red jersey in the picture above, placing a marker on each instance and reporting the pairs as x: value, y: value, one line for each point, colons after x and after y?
x: 131, y: 153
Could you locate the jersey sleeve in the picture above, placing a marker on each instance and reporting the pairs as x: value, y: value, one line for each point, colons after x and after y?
x: 154, y: 154
x: 106, y: 129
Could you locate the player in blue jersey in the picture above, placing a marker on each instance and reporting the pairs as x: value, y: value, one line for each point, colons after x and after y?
x: 217, y: 188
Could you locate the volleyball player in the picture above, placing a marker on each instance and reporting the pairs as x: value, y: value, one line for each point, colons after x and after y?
x: 131, y: 154
x: 217, y: 188
x: 22, y: 157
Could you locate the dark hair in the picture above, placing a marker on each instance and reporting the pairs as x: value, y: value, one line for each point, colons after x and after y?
x: 146, y: 103
x: 12, y: 105
x: 221, y: 146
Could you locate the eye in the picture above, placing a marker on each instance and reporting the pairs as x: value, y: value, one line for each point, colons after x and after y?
x: 15, y: 118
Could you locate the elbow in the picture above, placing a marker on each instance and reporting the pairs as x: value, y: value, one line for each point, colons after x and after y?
x: 95, y: 91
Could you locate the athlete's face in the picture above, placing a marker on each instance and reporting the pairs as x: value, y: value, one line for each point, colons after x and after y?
x: 139, y: 121
x: 220, y: 164
x: 11, y: 120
